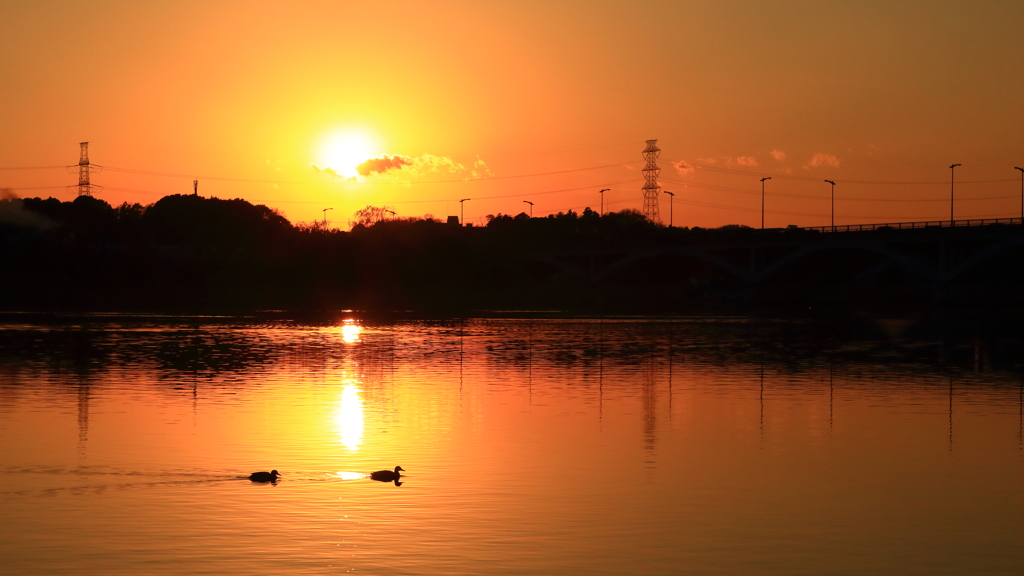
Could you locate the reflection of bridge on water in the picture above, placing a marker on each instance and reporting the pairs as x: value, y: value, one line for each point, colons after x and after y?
x: 931, y: 252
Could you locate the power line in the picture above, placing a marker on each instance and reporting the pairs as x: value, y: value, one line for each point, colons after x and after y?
x: 347, y: 182
x: 812, y: 197
x: 588, y: 187
x: 838, y: 181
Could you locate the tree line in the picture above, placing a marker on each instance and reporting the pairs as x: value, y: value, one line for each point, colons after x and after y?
x: 188, y: 252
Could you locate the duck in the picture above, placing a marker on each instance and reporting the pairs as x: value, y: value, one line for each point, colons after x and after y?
x: 387, y: 475
x: 264, y: 476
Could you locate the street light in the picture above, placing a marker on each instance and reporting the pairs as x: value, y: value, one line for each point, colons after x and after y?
x: 392, y: 212
x: 1021, y: 194
x: 833, y: 204
x: 462, y: 211
x: 602, y: 199
x: 951, y: 172
x: 325, y: 215
x: 531, y: 207
x: 671, y: 197
x: 762, y: 199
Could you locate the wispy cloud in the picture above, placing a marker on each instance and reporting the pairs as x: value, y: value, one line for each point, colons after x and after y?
x: 746, y: 161
x: 383, y: 164
x: 822, y: 159
x: 778, y: 155
x: 405, y: 167
x: 395, y: 167
x: 329, y: 171
x: 683, y: 167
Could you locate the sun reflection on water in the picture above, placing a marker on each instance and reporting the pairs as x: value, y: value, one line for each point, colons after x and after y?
x: 349, y: 416
x: 350, y: 332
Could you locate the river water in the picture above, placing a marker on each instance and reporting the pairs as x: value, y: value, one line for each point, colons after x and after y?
x: 530, y: 446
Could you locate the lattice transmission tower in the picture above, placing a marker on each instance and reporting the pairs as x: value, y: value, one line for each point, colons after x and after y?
x: 84, y: 168
x: 651, y: 188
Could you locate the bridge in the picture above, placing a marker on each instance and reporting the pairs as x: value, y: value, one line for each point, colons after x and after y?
x: 937, y: 253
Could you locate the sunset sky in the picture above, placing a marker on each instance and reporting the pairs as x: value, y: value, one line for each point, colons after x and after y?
x: 507, y: 101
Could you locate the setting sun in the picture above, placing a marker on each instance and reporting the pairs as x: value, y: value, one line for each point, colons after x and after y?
x: 342, y: 151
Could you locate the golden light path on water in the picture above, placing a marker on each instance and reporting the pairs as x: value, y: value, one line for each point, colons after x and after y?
x: 349, y: 416
x: 350, y: 332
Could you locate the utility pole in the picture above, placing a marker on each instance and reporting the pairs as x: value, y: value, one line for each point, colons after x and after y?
x: 462, y: 211
x: 195, y: 187
x: 531, y: 207
x: 392, y: 212
x: 671, y: 197
x: 1021, y: 194
x: 833, y: 204
x: 762, y: 199
x: 325, y: 216
x: 952, y: 222
x: 601, y: 192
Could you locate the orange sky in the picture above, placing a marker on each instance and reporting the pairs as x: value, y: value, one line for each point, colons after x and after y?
x: 799, y: 91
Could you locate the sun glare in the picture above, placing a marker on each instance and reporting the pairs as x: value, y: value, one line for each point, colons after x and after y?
x: 343, y: 150
x: 350, y: 332
x: 349, y: 416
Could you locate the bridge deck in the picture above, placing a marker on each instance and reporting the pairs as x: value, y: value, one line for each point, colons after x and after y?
x: 912, y: 225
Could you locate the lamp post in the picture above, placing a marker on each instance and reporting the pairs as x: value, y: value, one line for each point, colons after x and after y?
x: 762, y: 199
x: 531, y: 207
x: 325, y: 215
x: 951, y: 172
x: 833, y: 204
x: 671, y: 196
x: 1021, y: 194
x: 602, y: 199
x: 462, y: 211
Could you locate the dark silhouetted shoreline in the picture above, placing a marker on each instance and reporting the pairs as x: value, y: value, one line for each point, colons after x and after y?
x: 190, y: 254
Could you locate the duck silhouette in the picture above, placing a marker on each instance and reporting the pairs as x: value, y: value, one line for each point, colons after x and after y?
x: 388, y: 475
x: 264, y: 476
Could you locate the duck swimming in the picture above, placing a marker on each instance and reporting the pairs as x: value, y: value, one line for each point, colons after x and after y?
x: 387, y: 475
x: 264, y: 476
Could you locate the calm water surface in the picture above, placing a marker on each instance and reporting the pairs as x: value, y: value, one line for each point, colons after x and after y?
x: 530, y: 447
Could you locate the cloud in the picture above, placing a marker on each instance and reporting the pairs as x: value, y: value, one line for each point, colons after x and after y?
x: 821, y: 159
x: 329, y: 171
x: 746, y: 161
x: 706, y: 160
x: 778, y: 155
x: 383, y: 164
x: 404, y: 167
x: 398, y: 168
x: 683, y: 167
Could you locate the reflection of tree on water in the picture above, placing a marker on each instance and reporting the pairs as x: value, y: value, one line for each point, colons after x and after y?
x: 600, y: 374
x: 650, y: 406
x: 831, y: 380
x: 760, y: 397
x: 639, y: 347
x: 203, y: 351
x: 670, y: 334
x: 83, y: 415
x: 951, y: 415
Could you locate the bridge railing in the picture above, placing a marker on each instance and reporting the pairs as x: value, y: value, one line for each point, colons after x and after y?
x: 911, y: 225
